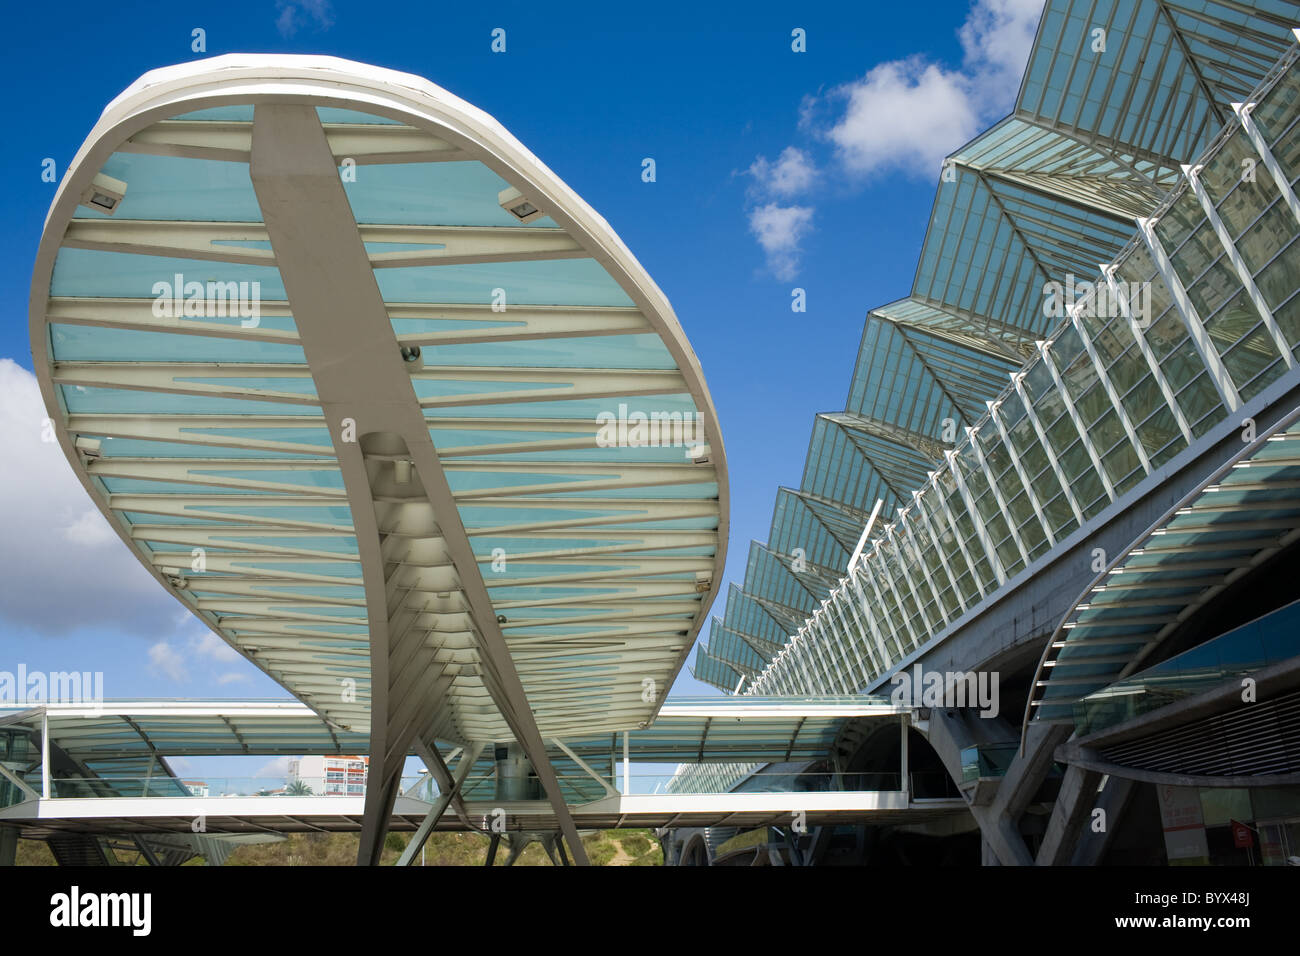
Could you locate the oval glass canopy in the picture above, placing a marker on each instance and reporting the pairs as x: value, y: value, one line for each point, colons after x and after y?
x: 381, y: 400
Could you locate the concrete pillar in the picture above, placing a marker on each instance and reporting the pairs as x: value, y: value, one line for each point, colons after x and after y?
x: 8, y: 845
x: 987, y: 856
x: 1071, y: 813
x: 999, y: 818
x: 1114, y: 799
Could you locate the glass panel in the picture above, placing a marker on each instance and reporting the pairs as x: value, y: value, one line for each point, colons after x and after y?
x: 1262, y: 241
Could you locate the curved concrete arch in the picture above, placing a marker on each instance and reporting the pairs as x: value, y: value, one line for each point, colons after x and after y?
x: 295, y: 177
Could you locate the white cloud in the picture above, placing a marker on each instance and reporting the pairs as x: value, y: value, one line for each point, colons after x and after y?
x: 902, y: 115
x: 89, y: 529
x: 792, y: 173
x: 166, y: 661
x: 64, y: 568
x: 279, y: 767
x: 996, y: 38
x: 779, y: 230
x: 194, y: 646
x: 295, y: 13
x: 214, y: 648
x: 906, y: 115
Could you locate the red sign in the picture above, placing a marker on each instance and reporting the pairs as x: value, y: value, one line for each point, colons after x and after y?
x: 1241, y: 835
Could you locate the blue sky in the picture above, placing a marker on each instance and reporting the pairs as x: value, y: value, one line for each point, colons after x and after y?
x: 775, y: 169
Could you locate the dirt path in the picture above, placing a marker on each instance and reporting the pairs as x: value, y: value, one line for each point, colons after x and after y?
x: 621, y: 857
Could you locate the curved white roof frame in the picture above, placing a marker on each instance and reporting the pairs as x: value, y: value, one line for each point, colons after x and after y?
x: 346, y: 502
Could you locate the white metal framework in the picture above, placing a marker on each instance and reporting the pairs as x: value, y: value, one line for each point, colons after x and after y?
x: 383, y: 402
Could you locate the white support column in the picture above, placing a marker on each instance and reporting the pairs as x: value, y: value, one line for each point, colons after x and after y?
x: 1017, y: 380
x: 45, y: 754
x: 788, y: 673
x: 939, y: 549
x: 883, y: 661
x: 1103, y: 377
x: 770, y: 681
x: 767, y: 681
x: 586, y: 768
x: 627, y: 765
x: 836, y: 653
x: 1020, y: 472
x: 18, y: 782
x: 956, y: 532
x: 797, y: 652
x: 887, y: 626
x: 805, y: 657
x: 997, y: 494
x: 1214, y: 366
x: 922, y: 569
x: 907, y: 577
x: 853, y: 631
x: 868, y: 671
x: 1139, y: 334
x: 1256, y: 138
x: 888, y: 574
x: 905, y: 783
x: 980, y: 531
x: 1239, y: 264
x: 817, y: 658
x: 1073, y: 412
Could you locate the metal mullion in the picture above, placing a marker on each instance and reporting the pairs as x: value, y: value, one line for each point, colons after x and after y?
x: 816, y: 656
x: 980, y: 531
x: 845, y: 631
x: 1024, y: 477
x: 1153, y: 90
x: 1074, y: 65
x: 1243, y: 271
x: 907, y: 577
x: 921, y: 566
x: 839, y: 600
x: 888, y: 573
x: 1139, y: 335
x: 797, y: 652
x: 880, y: 601
x: 938, y: 547
x: 1104, y: 378
x: 836, y: 650
x: 958, y: 536
x: 810, y: 665
x: 833, y: 653
x: 1214, y: 366
x: 870, y: 619
x: 1076, y: 419
x: 862, y: 637
x: 781, y: 678
x: 789, y: 675
x: 997, y: 495
x: 1257, y: 140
